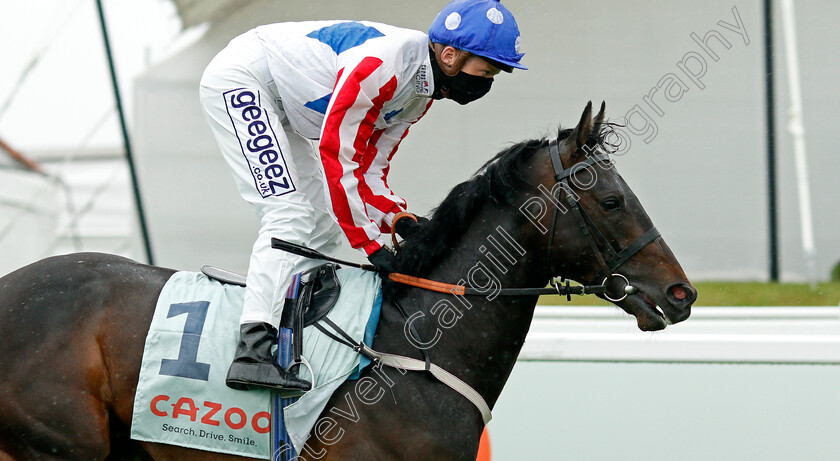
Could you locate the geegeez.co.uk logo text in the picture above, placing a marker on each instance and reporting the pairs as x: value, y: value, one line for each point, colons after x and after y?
x: 258, y: 143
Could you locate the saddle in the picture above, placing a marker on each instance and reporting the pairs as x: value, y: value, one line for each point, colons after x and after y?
x: 318, y: 293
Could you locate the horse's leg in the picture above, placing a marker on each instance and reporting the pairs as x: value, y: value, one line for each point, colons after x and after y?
x: 54, y: 384
x: 53, y: 415
x: 72, y: 329
x: 122, y: 446
x: 121, y: 335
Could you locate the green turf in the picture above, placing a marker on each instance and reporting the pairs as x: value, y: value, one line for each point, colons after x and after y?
x: 740, y: 294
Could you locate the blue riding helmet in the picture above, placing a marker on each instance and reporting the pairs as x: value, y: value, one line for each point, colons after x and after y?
x: 483, y: 27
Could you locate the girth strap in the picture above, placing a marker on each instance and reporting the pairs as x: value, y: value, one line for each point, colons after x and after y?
x: 408, y: 363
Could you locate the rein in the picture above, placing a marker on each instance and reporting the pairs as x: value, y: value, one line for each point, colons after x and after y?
x: 557, y: 286
x: 609, y: 259
x: 609, y: 263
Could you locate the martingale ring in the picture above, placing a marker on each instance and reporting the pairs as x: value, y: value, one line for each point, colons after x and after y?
x: 628, y: 289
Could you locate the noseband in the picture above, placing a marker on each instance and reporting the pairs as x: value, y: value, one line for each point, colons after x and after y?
x: 610, y: 258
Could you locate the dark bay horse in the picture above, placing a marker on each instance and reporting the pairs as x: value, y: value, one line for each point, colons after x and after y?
x: 72, y: 328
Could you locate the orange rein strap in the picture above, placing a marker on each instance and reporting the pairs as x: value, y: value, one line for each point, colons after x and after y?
x: 431, y: 285
x: 418, y: 282
x: 462, y: 290
x: 556, y: 288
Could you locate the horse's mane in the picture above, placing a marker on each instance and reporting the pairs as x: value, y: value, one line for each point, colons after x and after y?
x: 497, y: 181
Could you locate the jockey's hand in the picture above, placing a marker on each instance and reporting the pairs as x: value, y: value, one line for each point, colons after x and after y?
x: 383, y: 260
x: 406, y: 227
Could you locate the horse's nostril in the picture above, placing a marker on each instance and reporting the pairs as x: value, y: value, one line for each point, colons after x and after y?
x: 681, y: 293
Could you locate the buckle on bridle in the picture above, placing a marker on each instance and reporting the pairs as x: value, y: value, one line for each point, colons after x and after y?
x: 559, y: 287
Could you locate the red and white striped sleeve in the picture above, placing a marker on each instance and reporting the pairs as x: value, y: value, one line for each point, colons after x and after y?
x: 382, y: 203
x: 358, y: 98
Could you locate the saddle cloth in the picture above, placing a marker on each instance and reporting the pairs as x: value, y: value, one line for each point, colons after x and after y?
x: 181, y: 396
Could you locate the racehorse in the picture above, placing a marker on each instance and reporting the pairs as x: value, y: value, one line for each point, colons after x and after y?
x: 73, y: 327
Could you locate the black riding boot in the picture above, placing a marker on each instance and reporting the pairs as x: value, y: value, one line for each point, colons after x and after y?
x: 254, y: 366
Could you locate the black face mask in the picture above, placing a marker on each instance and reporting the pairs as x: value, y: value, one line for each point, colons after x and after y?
x: 463, y: 88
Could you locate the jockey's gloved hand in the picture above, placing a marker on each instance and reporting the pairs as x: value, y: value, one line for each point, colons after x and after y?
x: 407, y: 227
x: 383, y: 260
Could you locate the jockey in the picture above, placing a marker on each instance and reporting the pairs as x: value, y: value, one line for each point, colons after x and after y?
x: 308, y: 116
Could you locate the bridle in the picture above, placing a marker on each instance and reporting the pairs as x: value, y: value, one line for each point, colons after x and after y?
x: 610, y: 258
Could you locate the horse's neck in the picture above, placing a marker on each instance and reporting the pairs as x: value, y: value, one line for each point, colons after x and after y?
x: 482, y: 344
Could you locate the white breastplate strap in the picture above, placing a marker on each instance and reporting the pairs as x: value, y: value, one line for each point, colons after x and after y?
x: 408, y: 363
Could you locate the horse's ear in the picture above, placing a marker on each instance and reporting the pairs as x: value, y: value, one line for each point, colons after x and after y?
x: 582, y: 131
x: 599, y: 119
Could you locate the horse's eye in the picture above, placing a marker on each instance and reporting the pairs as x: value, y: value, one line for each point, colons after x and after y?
x: 611, y: 204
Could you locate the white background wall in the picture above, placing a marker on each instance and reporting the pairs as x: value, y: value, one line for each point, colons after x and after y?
x: 667, y: 411
x: 702, y: 177
x: 730, y: 384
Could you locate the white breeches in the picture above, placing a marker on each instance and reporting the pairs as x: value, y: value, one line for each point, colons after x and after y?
x: 275, y: 169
